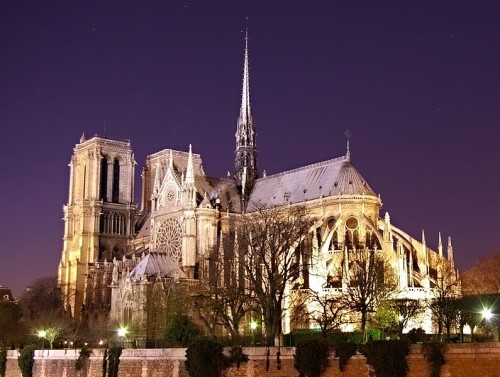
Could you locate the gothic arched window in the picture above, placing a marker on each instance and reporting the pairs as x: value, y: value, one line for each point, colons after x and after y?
x: 115, y: 197
x: 84, y: 181
x: 103, y: 189
x: 127, y: 313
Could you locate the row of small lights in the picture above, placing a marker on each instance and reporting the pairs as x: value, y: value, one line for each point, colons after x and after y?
x: 122, y: 331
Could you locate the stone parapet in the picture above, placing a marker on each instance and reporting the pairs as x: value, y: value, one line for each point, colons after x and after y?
x: 462, y: 360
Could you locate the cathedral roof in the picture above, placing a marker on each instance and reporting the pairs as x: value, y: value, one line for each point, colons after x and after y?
x: 223, y: 188
x: 154, y: 264
x: 328, y: 178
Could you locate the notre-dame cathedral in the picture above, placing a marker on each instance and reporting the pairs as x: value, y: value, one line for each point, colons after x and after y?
x: 114, y: 246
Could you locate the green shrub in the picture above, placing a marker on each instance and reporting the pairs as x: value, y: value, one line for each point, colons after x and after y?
x: 416, y: 335
x: 82, y: 357
x: 113, y: 361
x: 358, y: 336
x: 3, y: 362
x: 433, y: 353
x: 25, y: 361
x: 205, y: 358
x: 344, y: 351
x: 311, y: 357
x: 181, y: 330
x: 387, y: 357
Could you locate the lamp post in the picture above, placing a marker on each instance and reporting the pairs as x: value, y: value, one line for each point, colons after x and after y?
x: 253, y: 326
x: 41, y: 335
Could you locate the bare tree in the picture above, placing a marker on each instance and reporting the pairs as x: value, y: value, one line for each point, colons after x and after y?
x: 43, y: 307
x: 10, y: 316
x: 405, y: 309
x: 368, y: 279
x: 51, y: 326
x: 327, y: 311
x: 42, y: 295
x: 273, y: 240
x: 155, y: 311
x: 445, y: 304
x: 223, y: 299
x: 483, y: 277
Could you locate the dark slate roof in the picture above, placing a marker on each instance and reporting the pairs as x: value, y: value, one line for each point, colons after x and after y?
x: 328, y: 178
x: 223, y: 188
x: 144, y: 227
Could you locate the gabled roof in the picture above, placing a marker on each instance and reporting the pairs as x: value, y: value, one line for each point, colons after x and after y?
x: 154, y: 264
x: 328, y: 178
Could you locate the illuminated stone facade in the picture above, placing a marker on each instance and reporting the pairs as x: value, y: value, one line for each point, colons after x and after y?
x: 112, y: 251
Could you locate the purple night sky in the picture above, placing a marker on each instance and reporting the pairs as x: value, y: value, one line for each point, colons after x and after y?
x: 417, y: 83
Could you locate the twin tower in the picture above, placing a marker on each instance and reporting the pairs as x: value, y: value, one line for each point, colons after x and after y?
x: 101, y: 218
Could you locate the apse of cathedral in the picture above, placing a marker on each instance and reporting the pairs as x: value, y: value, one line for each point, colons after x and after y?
x: 113, y: 247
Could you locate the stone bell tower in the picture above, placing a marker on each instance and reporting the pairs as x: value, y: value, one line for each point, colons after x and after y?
x: 99, y: 215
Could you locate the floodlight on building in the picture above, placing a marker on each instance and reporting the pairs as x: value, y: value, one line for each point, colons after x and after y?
x: 122, y: 331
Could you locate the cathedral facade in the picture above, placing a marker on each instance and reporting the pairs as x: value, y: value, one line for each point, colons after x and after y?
x: 114, y: 249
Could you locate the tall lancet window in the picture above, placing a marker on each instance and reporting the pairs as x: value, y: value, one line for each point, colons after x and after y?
x: 103, y: 189
x: 115, y: 197
x: 84, y: 191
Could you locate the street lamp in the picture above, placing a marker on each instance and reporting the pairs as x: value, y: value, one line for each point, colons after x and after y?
x: 41, y: 334
x: 253, y: 326
x: 122, y: 333
x: 487, y: 314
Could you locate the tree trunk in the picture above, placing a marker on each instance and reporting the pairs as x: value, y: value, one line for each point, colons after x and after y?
x: 363, y: 325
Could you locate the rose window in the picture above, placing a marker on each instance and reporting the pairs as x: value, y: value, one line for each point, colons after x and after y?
x: 170, y: 195
x: 169, y: 238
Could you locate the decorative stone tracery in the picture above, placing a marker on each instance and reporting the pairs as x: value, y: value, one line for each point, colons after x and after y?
x: 169, y: 238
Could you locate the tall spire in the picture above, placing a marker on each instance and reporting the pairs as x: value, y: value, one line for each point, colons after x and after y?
x: 450, y: 250
x: 246, y: 151
x: 245, y: 109
x: 440, y: 246
x: 189, y: 169
x: 171, y: 161
x: 424, y: 253
x: 348, y: 135
x: 157, y: 182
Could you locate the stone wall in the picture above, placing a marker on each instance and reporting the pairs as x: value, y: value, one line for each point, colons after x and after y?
x: 462, y: 360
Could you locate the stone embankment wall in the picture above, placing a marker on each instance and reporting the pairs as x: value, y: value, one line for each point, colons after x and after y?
x: 462, y: 360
